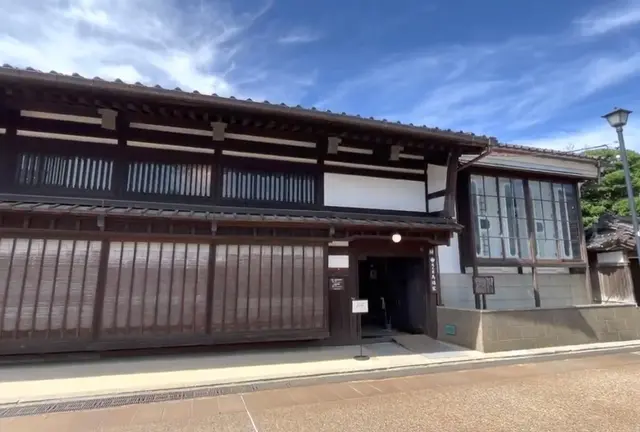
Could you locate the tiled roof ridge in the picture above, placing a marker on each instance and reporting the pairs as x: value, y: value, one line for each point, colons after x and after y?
x: 550, y: 152
x: 298, y: 108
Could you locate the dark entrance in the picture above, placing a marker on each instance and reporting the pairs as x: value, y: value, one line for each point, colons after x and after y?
x: 395, y: 288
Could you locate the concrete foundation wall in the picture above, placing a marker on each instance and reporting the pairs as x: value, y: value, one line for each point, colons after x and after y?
x: 515, y: 291
x: 503, y: 330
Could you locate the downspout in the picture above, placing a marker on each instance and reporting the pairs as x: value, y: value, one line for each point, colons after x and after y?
x: 480, y: 299
x: 478, y: 158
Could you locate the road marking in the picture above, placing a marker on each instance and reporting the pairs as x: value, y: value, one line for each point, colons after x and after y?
x: 255, y: 428
x: 356, y: 390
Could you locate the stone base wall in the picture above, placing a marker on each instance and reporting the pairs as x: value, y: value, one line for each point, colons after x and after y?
x: 505, y: 330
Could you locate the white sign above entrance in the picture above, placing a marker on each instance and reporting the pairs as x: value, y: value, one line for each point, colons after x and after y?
x: 359, y: 306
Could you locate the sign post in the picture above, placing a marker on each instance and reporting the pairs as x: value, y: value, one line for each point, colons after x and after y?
x: 359, y: 307
x: 484, y: 286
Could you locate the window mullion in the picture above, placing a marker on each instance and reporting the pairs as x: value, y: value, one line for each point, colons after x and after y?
x: 500, y: 220
x: 555, y: 202
x: 529, y: 208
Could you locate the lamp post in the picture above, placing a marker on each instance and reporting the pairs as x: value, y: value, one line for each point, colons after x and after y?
x: 618, y: 119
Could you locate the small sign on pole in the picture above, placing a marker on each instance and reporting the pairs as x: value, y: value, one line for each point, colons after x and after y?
x: 359, y: 307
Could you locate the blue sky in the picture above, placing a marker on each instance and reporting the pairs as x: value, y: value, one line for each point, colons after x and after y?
x: 537, y: 73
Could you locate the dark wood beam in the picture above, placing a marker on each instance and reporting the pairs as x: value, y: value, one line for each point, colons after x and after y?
x: 451, y: 185
x: 199, y: 117
x: 528, y: 202
x: 583, y: 243
x: 473, y: 256
x: 9, y: 120
x: 119, y: 178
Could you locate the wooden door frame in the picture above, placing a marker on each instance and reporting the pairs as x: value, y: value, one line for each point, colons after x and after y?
x: 384, y: 248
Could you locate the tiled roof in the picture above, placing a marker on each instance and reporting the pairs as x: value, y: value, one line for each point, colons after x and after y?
x: 142, y: 211
x: 55, y: 77
x: 544, y: 151
x: 8, y: 71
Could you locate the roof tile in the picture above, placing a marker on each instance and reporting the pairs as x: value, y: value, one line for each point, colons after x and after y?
x: 300, y: 108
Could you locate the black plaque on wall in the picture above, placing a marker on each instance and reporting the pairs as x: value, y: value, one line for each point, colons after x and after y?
x: 484, y: 285
x: 336, y: 284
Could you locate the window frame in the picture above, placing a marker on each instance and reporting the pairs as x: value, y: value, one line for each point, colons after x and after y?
x: 566, y: 250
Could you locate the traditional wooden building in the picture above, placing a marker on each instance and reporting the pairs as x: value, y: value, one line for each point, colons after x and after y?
x: 611, y: 245
x: 517, y: 276
x: 523, y: 229
x: 135, y: 216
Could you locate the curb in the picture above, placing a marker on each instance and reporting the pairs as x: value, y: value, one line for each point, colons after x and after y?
x: 89, y: 402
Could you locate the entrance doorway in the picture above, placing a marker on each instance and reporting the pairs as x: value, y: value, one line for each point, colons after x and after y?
x: 396, y: 290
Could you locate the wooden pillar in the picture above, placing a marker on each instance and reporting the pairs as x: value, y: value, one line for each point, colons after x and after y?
x: 451, y: 185
x: 319, y: 186
x: 103, y: 269
x: 211, y: 268
x: 9, y: 120
x: 426, y: 185
x: 432, y: 289
x: 583, y: 245
x: 528, y: 202
x: 352, y: 292
x: 120, y: 164
x: 473, y: 256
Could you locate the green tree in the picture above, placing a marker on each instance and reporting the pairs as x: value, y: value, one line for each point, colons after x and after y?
x: 610, y: 193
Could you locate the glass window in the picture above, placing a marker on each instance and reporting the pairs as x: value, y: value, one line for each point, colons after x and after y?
x: 498, y: 206
x: 555, y: 219
x: 499, y: 210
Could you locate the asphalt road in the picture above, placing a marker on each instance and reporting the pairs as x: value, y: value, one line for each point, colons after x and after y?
x: 585, y: 394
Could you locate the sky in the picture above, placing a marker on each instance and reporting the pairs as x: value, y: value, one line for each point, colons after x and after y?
x: 539, y: 73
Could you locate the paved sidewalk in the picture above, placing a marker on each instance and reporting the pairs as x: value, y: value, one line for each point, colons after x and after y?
x: 593, y: 393
x: 25, y: 384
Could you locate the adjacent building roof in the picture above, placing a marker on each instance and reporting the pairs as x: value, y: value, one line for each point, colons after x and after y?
x: 611, y: 233
x: 549, y: 152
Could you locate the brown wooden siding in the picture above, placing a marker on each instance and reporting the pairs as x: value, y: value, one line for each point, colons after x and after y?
x: 51, y: 291
x: 616, y: 284
x: 268, y: 287
x: 47, y: 288
x: 155, y: 288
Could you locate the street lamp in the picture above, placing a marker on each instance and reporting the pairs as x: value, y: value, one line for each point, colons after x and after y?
x: 618, y: 119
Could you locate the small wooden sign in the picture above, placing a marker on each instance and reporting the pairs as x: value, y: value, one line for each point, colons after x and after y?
x: 336, y: 284
x: 359, y: 306
x: 484, y: 285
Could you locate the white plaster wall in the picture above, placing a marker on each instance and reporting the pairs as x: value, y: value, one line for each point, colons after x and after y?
x: 436, y: 178
x: 616, y: 257
x: 560, y: 290
x: 456, y: 290
x: 557, y: 287
x: 449, y: 257
x: 513, y: 291
x: 455, y: 287
x: 346, y: 190
x: 436, y: 204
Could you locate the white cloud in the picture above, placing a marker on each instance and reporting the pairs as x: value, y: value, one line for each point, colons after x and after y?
x: 611, y: 17
x: 204, y: 46
x: 500, y: 89
x: 299, y: 36
x: 592, y: 135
